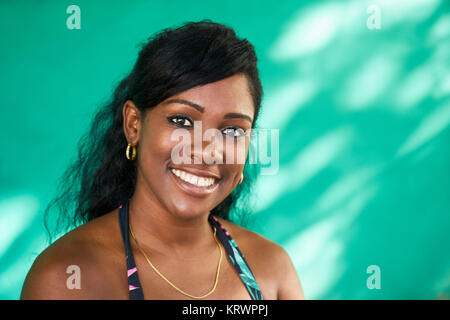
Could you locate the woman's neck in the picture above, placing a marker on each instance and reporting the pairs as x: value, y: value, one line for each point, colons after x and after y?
x: 157, y: 228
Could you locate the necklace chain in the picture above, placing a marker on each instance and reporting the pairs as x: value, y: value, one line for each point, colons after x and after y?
x: 175, y: 287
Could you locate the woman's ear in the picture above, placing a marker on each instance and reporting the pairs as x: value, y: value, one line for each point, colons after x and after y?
x: 131, y: 122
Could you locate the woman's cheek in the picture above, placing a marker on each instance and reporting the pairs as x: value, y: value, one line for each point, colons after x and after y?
x: 153, y: 151
x: 235, y: 151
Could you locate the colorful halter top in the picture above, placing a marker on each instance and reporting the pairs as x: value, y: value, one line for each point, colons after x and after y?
x: 231, y: 248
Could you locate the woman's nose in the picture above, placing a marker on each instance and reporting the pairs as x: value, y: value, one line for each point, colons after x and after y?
x: 210, y: 150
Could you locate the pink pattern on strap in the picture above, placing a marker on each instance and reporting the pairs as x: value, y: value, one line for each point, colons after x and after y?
x: 130, y: 287
x: 131, y: 271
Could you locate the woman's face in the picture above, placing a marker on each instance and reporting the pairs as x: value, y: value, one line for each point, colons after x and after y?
x: 177, y: 186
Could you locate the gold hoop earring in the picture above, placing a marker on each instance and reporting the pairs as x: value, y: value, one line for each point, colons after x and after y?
x: 242, y: 178
x: 127, y: 152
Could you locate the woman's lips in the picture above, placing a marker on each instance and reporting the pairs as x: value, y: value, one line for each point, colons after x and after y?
x: 192, y: 189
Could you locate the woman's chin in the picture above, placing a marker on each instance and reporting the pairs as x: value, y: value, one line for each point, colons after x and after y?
x: 189, y: 213
x: 184, y: 208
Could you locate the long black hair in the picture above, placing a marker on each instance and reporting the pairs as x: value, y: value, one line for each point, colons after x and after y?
x: 170, y: 62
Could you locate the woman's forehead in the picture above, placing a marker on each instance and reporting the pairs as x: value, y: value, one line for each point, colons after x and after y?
x: 231, y: 95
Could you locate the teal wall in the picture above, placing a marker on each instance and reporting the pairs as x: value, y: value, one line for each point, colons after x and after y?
x: 363, y: 117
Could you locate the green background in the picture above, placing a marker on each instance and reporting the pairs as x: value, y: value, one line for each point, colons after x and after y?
x: 363, y: 117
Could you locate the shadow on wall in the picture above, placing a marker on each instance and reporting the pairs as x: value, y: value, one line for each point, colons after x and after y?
x: 364, y: 149
x: 21, y: 233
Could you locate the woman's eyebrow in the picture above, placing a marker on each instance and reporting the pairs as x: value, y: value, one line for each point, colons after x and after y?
x: 182, y: 101
x: 238, y: 115
x: 202, y: 109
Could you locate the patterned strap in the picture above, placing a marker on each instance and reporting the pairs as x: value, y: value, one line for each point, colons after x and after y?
x: 134, y: 285
x: 235, y: 255
x: 237, y: 258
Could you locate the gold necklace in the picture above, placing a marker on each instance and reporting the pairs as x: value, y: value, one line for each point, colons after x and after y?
x: 175, y: 287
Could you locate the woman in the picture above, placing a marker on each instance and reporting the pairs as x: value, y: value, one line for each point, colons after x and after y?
x: 152, y: 228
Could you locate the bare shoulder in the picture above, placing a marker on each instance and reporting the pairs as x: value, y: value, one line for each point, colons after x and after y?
x: 270, y: 263
x: 79, y: 265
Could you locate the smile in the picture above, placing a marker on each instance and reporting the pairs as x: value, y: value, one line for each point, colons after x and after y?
x: 193, y: 184
x: 193, y: 179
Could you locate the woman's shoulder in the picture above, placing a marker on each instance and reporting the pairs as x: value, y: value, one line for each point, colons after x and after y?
x: 82, y: 264
x: 250, y: 240
x: 270, y: 263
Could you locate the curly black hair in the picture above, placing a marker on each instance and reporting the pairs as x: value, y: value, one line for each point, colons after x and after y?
x: 170, y: 62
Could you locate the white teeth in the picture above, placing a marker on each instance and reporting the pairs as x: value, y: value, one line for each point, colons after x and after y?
x: 195, y: 180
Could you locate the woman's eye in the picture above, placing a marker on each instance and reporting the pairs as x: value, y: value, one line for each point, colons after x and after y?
x: 180, y: 121
x: 234, y: 132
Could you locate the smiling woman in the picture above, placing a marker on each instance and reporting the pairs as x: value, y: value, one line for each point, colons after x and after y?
x: 126, y: 182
